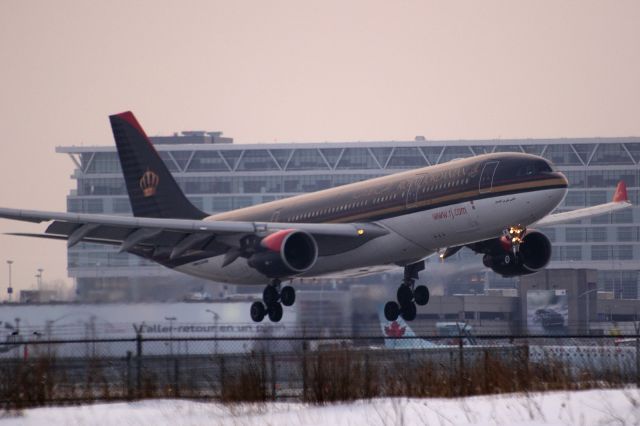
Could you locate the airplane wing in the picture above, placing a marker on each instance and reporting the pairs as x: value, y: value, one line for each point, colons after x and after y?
x: 178, y: 235
x: 620, y: 202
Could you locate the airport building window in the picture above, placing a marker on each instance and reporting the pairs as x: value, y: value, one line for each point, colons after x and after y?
x: 611, y: 154
x: 601, y: 219
x: 168, y: 161
x: 106, y: 186
x: 597, y: 234
x: 596, y: 197
x: 181, y: 158
x: 584, y: 150
x: 103, y: 162
x: 507, y: 148
x: 533, y: 149
x: 623, y: 252
x: 576, y: 178
x: 634, y: 149
x: 600, y: 252
x: 573, y: 253
x: 610, y: 178
x: 574, y: 235
x: 257, y: 160
x: 332, y: 155
x: 432, y: 153
x: 121, y: 205
x: 207, y: 161
x: 306, y: 159
x: 406, y: 158
x: 357, y: 158
x: 627, y: 233
x: 382, y: 155
x: 575, y: 199
x: 453, y: 152
x: 623, y: 216
x: 495, y: 316
x: 562, y: 155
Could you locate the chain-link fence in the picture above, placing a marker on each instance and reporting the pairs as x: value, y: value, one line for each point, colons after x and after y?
x: 310, y: 369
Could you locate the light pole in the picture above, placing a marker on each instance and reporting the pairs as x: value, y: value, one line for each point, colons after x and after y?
x: 588, y: 318
x: 216, y: 317
x: 171, y: 320
x: 10, y: 289
x: 39, y: 277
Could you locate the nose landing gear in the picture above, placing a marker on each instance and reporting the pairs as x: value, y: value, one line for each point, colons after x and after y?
x: 272, y: 300
x: 408, y: 295
x: 516, y: 235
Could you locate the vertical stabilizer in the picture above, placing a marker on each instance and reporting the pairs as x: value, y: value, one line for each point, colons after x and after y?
x: 153, y: 192
x: 398, y: 335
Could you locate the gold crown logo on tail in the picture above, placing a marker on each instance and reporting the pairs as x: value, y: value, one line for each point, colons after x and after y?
x: 149, y: 183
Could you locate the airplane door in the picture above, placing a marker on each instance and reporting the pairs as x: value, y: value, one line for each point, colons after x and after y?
x: 486, y: 177
x: 275, y: 216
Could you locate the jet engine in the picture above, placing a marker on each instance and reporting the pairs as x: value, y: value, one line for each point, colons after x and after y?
x: 284, y: 253
x: 534, y: 254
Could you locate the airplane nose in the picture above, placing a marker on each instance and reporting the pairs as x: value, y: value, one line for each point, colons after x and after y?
x: 563, y: 178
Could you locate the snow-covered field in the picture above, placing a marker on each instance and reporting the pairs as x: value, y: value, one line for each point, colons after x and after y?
x: 595, y: 407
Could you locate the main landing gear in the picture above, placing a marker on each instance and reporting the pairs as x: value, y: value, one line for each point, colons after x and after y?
x: 408, y: 295
x: 272, y: 300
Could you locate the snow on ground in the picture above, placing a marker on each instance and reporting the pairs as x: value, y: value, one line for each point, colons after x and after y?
x: 595, y: 407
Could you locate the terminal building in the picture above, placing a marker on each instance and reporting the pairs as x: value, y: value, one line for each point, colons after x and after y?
x: 218, y: 175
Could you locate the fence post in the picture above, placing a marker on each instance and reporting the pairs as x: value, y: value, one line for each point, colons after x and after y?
x: 304, y: 370
x: 273, y: 377
x: 139, y: 364
x: 461, y: 366
x: 637, y: 359
x: 452, y: 370
x: 485, y: 373
x: 222, y: 377
x: 176, y: 377
x: 129, y: 354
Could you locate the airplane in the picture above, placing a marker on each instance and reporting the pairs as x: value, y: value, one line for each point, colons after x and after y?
x: 399, y: 335
x: 487, y: 203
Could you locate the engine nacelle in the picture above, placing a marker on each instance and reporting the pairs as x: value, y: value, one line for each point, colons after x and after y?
x: 533, y: 255
x: 285, y: 253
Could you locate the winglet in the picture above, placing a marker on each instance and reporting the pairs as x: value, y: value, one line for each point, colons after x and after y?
x: 621, y: 193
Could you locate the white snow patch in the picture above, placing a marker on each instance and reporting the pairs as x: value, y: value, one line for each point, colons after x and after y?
x: 594, y: 407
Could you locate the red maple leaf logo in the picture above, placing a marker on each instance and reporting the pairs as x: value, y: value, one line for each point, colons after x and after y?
x: 394, y: 330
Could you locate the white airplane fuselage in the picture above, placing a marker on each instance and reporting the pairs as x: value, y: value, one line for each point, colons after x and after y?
x: 413, y: 235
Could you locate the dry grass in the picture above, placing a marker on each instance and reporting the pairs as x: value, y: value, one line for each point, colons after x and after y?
x: 316, y: 377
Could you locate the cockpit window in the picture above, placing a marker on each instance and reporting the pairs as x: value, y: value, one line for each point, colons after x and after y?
x: 533, y: 167
x: 543, y: 166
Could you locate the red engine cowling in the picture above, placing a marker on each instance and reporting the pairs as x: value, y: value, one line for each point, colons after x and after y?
x: 285, y: 253
x: 533, y: 255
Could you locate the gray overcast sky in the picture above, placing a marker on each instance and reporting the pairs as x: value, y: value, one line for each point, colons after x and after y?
x: 264, y: 71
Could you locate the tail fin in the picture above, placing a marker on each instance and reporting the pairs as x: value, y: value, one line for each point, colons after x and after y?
x: 397, y: 334
x: 153, y: 192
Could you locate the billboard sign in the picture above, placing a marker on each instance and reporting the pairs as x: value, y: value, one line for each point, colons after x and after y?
x: 547, y: 312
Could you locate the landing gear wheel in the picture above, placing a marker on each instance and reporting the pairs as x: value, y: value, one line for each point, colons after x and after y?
x: 257, y: 311
x: 404, y: 294
x: 270, y: 295
x: 391, y: 311
x: 288, y: 296
x: 409, y: 311
x: 421, y: 295
x: 275, y: 312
